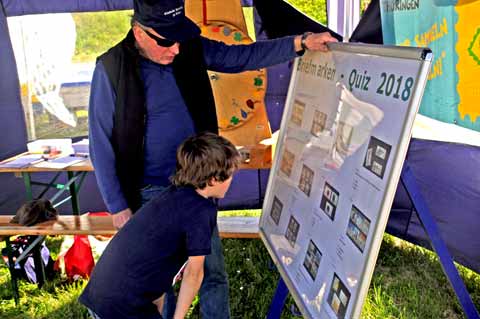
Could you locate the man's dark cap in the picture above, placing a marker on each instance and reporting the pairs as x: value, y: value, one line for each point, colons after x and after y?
x: 167, y: 18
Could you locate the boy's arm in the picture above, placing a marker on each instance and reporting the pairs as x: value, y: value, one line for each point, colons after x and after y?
x: 192, y: 279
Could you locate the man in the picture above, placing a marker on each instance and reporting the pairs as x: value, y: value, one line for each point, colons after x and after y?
x: 149, y: 93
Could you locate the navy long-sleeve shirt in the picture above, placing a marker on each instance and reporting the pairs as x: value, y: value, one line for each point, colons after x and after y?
x: 168, y: 121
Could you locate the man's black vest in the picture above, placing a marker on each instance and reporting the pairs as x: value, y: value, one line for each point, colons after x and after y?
x: 122, y: 65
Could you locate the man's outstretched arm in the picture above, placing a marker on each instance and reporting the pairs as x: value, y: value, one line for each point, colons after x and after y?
x: 237, y: 58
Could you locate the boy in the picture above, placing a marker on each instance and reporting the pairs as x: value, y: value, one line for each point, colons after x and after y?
x: 139, y: 264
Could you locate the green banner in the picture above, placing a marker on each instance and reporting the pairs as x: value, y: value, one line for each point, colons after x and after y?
x: 452, y: 30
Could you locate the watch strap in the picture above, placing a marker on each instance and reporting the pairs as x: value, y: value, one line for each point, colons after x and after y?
x: 303, y: 40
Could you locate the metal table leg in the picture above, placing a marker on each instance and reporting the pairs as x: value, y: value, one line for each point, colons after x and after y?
x: 11, y: 267
x: 73, y: 194
x: 39, y: 266
x: 28, y: 185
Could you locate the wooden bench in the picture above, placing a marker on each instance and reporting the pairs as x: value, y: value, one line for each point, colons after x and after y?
x: 229, y: 227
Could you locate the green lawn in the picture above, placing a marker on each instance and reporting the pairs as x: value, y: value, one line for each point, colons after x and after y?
x: 408, y: 283
x: 99, y: 31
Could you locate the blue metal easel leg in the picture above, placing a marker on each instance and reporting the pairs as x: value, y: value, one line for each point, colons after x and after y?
x: 410, y: 183
x: 278, y: 301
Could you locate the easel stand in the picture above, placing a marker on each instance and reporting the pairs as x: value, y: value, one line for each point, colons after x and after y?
x: 408, y: 180
x: 278, y: 301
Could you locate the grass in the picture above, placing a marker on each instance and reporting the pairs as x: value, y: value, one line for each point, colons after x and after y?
x: 99, y: 31
x: 408, y: 282
x: 315, y: 9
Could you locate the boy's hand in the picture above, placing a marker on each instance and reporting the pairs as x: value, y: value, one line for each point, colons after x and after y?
x: 159, y: 303
x: 120, y: 218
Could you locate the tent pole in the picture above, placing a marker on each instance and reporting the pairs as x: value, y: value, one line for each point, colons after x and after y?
x: 32, y: 135
x: 347, y: 20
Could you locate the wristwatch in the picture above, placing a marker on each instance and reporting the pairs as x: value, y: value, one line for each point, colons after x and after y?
x: 303, y: 40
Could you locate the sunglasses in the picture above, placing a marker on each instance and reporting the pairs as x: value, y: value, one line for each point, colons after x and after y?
x: 160, y: 41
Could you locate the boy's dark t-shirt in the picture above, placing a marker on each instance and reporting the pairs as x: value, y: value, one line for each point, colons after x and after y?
x: 141, y: 260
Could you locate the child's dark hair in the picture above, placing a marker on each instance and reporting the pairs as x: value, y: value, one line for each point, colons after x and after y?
x: 203, y: 157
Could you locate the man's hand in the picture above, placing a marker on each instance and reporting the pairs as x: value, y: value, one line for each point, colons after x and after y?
x: 314, y: 41
x: 120, y: 218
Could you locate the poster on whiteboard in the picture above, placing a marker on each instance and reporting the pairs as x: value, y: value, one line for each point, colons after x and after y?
x: 342, y: 142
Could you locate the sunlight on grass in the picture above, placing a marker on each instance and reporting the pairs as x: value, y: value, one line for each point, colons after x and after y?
x: 315, y: 9
x: 408, y: 283
x: 98, y: 31
x: 240, y: 213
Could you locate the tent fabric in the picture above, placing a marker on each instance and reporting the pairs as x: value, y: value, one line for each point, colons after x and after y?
x: 369, y: 28
x: 285, y: 20
x: 24, y: 7
x: 448, y: 178
x: 12, y: 122
x: 12, y: 119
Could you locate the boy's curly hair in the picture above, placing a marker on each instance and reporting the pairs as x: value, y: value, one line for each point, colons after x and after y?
x: 203, y: 157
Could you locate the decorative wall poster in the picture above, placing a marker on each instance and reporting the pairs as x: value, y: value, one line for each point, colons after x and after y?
x: 450, y: 28
x: 239, y: 97
x: 343, y: 139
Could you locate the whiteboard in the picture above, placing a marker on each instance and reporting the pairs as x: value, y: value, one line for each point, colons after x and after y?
x: 344, y: 135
